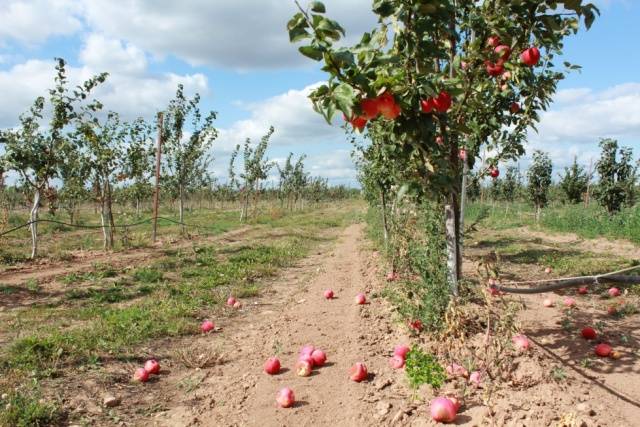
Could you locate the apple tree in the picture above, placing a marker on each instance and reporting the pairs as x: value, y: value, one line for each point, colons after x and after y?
x: 34, y: 150
x: 574, y: 182
x: 539, y: 177
x: 436, y: 76
x: 618, y: 176
x: 187, y: 139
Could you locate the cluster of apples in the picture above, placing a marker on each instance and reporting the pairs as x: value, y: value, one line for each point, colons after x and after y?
x: 384, y: 104
x: 151, y: 367
x: 529, y: 57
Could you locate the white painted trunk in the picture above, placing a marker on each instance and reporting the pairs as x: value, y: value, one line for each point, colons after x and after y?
x: 34, y: 223
x: 452, y: 247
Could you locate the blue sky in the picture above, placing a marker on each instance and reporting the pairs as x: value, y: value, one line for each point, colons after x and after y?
x: 151, y: 45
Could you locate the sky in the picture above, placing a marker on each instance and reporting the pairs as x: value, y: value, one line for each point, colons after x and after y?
x: 236, y: 54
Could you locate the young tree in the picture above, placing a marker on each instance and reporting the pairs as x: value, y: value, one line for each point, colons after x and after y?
x: 617, y: 177
x: 138, y: 162
x: 447, y: 79
x: 74, y: 171
x: 187, y: 155
x: 256, y: 168
x: 510, y: 185
x: 574, y: 182
x: 539, y: 177
x: 33, y: 150
x: 104, y: 147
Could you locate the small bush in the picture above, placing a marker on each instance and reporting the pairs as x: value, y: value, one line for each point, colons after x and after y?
x: 26, y: 408
x: 423, y: 368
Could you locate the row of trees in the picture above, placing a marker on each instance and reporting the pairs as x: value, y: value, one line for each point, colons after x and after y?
x: 615, y: 187
x: 84, y: 154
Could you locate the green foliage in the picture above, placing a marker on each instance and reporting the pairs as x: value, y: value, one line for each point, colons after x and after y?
x: 25, y: 407
x: 539, y: 177
x: 574, y: 182
x: 147, y: 275
x: 423, y: 368
x: 618, y: 176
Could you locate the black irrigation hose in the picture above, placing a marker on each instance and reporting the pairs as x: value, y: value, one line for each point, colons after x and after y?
x: 562, y: 284
x: 4, y: 233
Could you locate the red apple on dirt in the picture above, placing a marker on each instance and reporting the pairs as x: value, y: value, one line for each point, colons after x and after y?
x: 503, y: 50
x: 614, y: 292
x: 569, y: 302
x: 303, y: 368
x: 152, y: 366
x: 272, y: 366
x: 603, y: 350
x: 442, y: 410
x: 319, y: 357
x: 493, y: 41
x: 514, y: 108
x: 456, y: 402
x: 416, y: 325
x: 358, y: 372
x: 285, y: 398
x: 361, y: 299
x: 548, y: 302
x: 521, y: 342
x: 328, y: 294
x: 141, y: 375
x: 231, y: 301
x: 307, y: 358
x: 548, y: 270
x: 456, y: 370
x: 401, y: 350
x: 475, y: 378
x: 589, y: 333
x: 530, y: 56
x: 612, y: 310
x: 583, y: 290
x: 207, y: 326
x: 370, y: 108
x: 396, y: 362
x: 307, y: 350
x: 237, y: 304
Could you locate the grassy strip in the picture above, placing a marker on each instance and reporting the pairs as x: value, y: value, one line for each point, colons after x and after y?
x: 589, y: 223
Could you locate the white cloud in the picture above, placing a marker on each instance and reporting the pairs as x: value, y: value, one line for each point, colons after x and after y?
x: 292, y: 117
x: 34, y: 21
x: 574, y: 125
x: 112, y: 55
x: 243, y: 34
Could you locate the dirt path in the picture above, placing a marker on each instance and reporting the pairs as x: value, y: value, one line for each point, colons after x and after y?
x: 244, y: 396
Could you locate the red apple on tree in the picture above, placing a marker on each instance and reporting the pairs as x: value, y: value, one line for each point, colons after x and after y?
x: 494, y: 69
x: 370, y: 108
x: 443, y: 102
x: 493, y: 41
x: 504, y: 51
x: 514, y: 107
x: 426, y: 105
x: 530, y: 56
x: 439, y: 140
x: 494, y: 172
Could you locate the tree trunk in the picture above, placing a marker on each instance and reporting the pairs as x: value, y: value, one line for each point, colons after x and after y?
x: 112, y: 225
x: 385, y: 226
x: 34, y: 223
x: 245, y: 207
x: 463, y: 202
x: 137, y: 207
x: 181, y: 206
x: 452, y: 245
x: 538, y: 212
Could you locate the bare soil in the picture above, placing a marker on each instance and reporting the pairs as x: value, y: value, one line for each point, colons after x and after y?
x: 218, y: 379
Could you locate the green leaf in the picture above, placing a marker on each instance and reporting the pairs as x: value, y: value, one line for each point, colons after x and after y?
x: 312, y: 52
x: 318, y: 7
x: 344, y: 96
x: 383, y: 8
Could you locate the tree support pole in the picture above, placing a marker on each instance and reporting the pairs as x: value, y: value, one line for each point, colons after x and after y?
x: 156, y: 194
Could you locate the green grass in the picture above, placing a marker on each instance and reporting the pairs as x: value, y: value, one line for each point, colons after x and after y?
x: 25, y: 407
x: 156, y: 307
x: 591, y: 222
